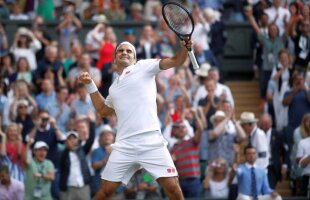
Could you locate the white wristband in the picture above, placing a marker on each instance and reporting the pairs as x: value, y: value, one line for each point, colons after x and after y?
x: 91, y: 87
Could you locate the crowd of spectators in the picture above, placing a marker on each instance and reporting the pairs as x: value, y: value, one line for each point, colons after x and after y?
x: 54, y: 144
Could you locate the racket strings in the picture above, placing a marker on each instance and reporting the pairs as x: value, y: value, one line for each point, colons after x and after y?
x: 178, y: 19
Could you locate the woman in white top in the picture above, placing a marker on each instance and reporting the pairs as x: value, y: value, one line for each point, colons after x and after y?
x: 216, y: 180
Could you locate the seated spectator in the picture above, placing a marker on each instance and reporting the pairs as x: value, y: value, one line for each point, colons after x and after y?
x: 17, y: 13
x: 92, y: 10
x: 75, y: 175
x: 136, y: 12
x: 4, y: 10
x: 252, y: 179
x: 22, y: 71
x: 39, y: 174
x: 26, y: 45
x: 6, y: 64
x: 16, y: 152
x: 116, y: 12
x: 216, y: 180
x: 10, y: 188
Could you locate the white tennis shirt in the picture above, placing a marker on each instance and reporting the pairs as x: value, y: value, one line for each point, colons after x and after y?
x: 133, y: 97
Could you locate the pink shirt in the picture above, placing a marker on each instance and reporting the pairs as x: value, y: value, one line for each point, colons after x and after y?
x: 15, y: 191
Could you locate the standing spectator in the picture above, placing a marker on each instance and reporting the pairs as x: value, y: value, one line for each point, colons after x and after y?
x: 300, y: 133
x: 106, y: 52
x: 68, y: 28
x: 100, y: 155
x: 297, y: 99
x: 15, y: 150
x: 25, y: 44
x: 75, y: 175
x: 185, y: 154
x: 94, y: 38
x: 46, y: 9
x: 252, y: 179
x: 10, y: 188
x: 40, y: 173
x: 257, y: 138
x: 148, y: 47
x: 278, y: 152
x: 303, y: 159
x: 225, y: 133
x: 84, y: 65
x: 279, y: 15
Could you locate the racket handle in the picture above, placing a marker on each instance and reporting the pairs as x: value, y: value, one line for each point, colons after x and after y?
x: 193, y: 59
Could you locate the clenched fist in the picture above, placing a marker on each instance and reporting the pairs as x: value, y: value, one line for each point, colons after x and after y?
x: 85, y: 78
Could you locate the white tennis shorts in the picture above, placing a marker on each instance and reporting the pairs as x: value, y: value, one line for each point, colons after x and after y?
x: 146, y: 150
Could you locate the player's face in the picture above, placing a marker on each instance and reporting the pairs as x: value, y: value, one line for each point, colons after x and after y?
x: 125, y: 55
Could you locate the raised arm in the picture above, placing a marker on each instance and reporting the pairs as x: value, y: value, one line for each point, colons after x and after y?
x: 249, y: 14
x: 96, y: 97
x: 179, y: 58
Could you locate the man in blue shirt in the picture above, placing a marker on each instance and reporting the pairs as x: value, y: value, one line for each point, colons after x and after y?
x: 252, y: 180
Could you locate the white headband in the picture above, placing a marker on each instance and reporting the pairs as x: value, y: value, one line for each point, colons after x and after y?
x: 128, y: 43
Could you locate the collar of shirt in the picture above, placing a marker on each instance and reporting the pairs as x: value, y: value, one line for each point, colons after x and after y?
x: 48, y: 126
x: 249, y: 166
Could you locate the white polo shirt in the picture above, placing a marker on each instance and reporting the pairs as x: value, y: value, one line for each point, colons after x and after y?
x: 303, y: 150
x: 133, y: 97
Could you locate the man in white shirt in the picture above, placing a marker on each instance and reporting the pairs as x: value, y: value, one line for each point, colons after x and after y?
x: 139, y: 142
x: 257, y: 138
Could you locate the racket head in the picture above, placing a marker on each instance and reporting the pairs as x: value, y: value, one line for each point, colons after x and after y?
x: 178, y: 19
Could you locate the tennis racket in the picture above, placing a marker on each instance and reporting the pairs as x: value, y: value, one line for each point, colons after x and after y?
x: 181, y: 22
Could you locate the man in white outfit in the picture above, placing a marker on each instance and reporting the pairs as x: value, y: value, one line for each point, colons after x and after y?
x: 139, y: 142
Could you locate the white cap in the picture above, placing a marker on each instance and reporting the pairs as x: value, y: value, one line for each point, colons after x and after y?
x: 106, y: 128
x: 74, y: 133
x: 40, y: 144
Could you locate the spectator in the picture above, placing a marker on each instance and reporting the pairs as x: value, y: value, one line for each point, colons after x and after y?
x: 47, y: 96
x: 10, y: 188
x: 152, y: 10
x: 142, y: 186
x: 26, y: 45
x: 24, y: 118
x: 187, y: 164
x: 15, y: 150
x: 84, y: 64
x: 75, y: 175
x: 252, y: 179
x: 39, y: 174
x: 300, y: 133
x: 216, y: 179
x: 59, y: 109
x: 297, y: 99
x: 68, y: 28
x: 106, y: 52
x: 147, y: 47
x: 303, y: 159
x: 166, y: 39
x: 100, y: 155
x: 94, y: 38
x: 82, y: 105
x: 278, y: 152
x: 116, y: 12
x: 136, y: 12
x: 40, y: 32
x: 46, y: 10
x: 93, y: 10
x: 257, y: 138
x: 4, y: 10
x: 3, y: 41
x: 6, y: 65
x: 278, y: 15
x: 22, y: 71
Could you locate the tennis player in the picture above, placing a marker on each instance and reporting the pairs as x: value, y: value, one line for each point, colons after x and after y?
x: 139, y: 142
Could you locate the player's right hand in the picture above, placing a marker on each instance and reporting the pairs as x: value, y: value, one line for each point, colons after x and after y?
x: 85, y: 78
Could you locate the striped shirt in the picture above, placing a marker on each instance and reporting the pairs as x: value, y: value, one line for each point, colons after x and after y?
x: 187, y: 158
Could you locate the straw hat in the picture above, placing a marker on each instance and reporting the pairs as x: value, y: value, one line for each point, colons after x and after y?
x: 247, y: 117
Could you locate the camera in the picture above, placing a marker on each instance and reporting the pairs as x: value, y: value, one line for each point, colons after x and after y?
x: 45, y: 119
